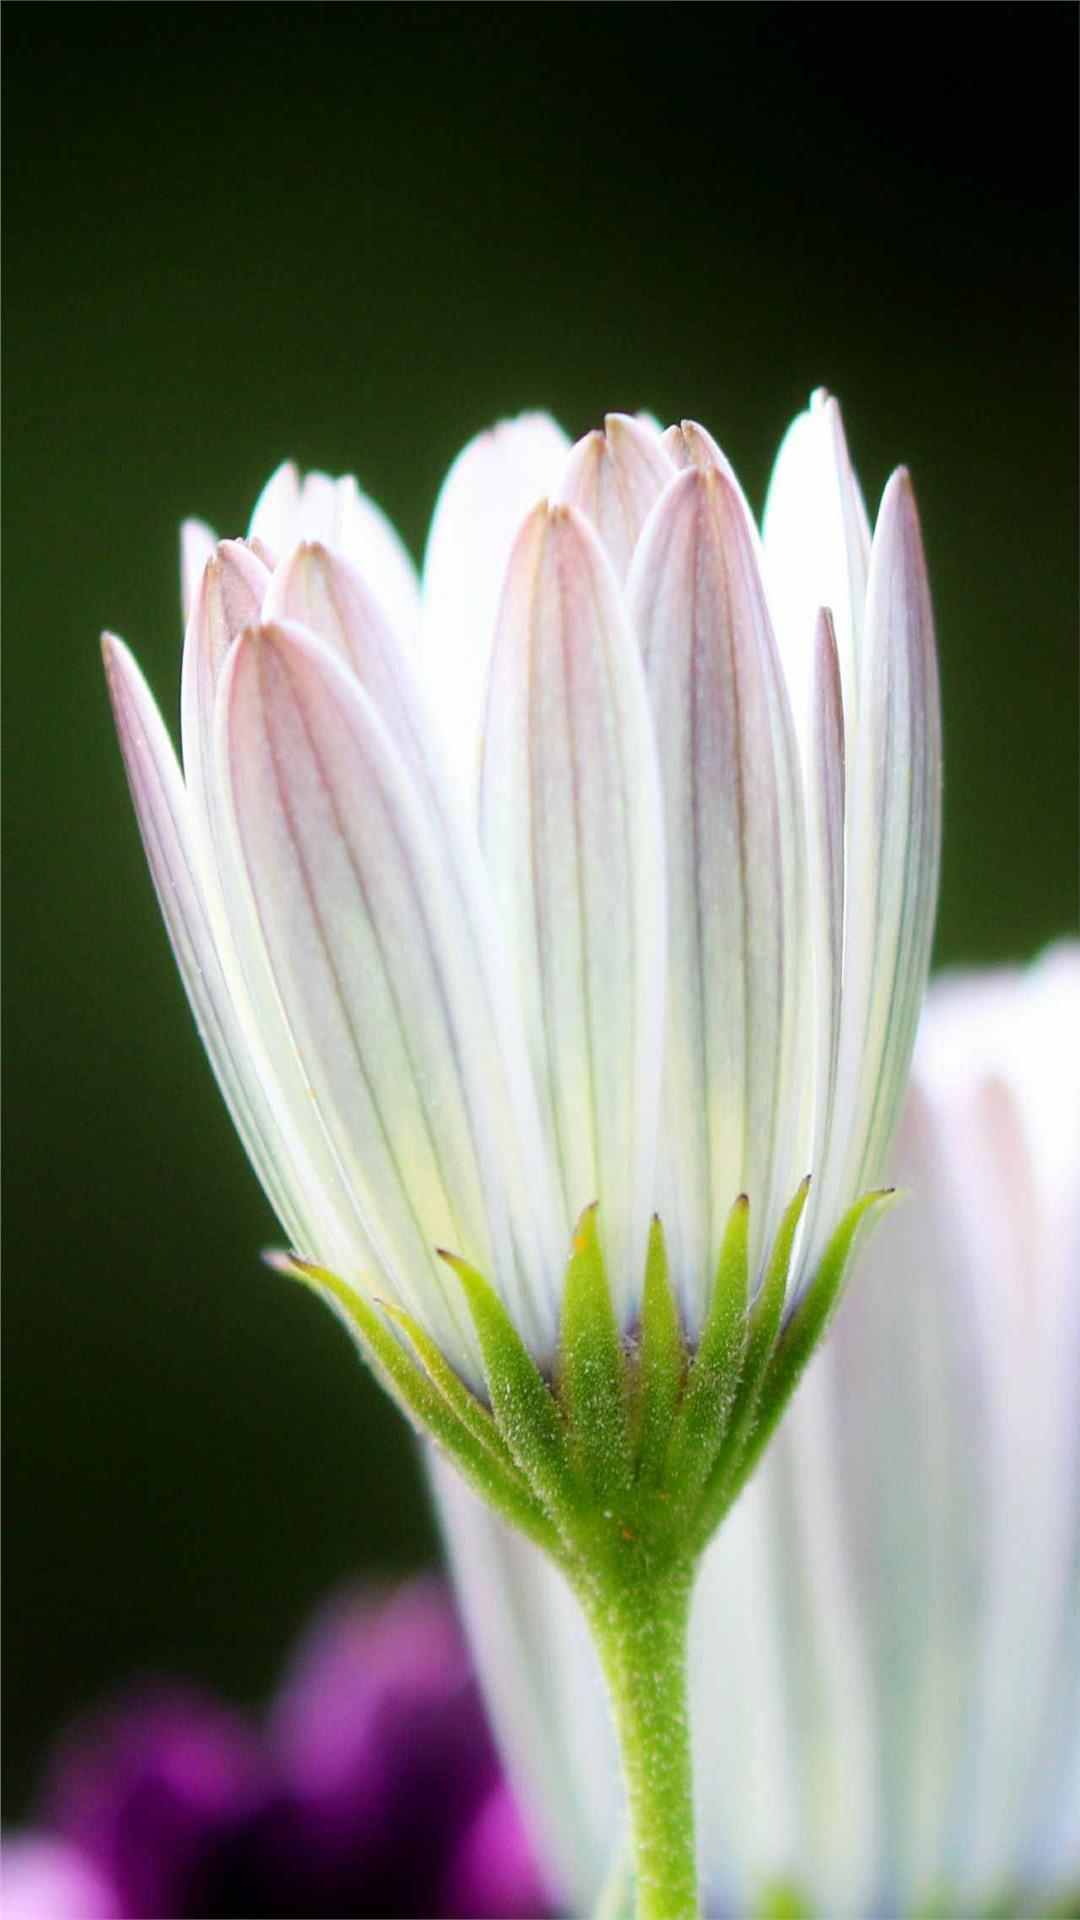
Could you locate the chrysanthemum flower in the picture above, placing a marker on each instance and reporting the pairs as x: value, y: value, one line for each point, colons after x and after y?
x: 885, y: 1649
x: 547, y: 925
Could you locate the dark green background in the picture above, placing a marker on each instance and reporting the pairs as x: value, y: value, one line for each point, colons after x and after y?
x: 355, y: 234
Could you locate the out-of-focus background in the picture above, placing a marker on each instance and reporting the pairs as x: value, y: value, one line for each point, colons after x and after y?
x: 354, y: 234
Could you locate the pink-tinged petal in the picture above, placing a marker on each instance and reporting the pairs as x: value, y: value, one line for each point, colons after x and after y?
x: 217, y: 1001
x: 614, y: 478
x: 323, y: 591
x: 649, y: 420
x: 256, y: 1054
x: 734, y: 1094
x: 372, y: 543
x: 826, y: 826
x: 893, y: 851
x: 337, y: 515
x: 689, y: 445
x: 197, y: 543
x: 571, y: 832
x: 275, y: 511
x: 816, y: 537
x: 372, y: 917
x: 486, y: 494
x: 227, y: 598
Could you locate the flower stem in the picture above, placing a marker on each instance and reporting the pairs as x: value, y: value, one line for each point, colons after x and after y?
x: 640, y: 1628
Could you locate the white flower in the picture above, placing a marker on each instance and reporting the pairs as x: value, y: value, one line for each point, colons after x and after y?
x: 885, y: 1664
x: 601, y: 870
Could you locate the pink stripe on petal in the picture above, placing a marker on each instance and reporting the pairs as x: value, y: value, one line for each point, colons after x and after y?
x: 893, y: 851
x: 689, y: 445
x: 734, y: 1099
x: 614, y: 478
x: 382, y: 963
x: 570, y: 828
x: 163, y: 812
x: 227, y: 599
x: 321, y: 590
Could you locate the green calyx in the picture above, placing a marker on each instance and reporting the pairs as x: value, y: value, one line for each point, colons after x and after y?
x: 622, y: 1466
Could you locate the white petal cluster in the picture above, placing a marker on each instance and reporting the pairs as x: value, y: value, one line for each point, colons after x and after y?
x: 599, y: 866
x: 885, y: 1653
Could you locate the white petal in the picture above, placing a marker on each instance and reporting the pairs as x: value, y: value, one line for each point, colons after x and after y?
x: 371, y: 541
x: 570, y: 826
x: 275, y: 511
x: 735, y: 841
x: 817, y: 551
x: 894, y: 832
x: 164, y: 815
x: 227, y: 601
x: 690, y: 445
x: 649, y: 420
x: 826, y: 825
x: 486, y: 494
x: 337, y: 515
x: 999, y: 1061
x: 227, y: 598
x: 543, y: 1687
x: 197, y: 543
x: 614, y: 478
x: 319, y: 589
x: 382, y: 957
x: 744, y: 1751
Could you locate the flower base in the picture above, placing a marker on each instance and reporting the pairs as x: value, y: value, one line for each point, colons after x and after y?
x: 622, y: 1465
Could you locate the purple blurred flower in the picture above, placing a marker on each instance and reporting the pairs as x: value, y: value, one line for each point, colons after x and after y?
x: 373, y: 1789
x: 150, y: 1789
x: 383, y: 1752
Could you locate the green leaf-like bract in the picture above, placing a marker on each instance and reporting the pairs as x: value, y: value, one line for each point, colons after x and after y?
x: 714, y: 1371
x: 662, y: 1364
x: 632, y: 1453
x: 525, y: 1410
x: 591, y: 1371
x: 426, y: 1406
x: 797, y: 1340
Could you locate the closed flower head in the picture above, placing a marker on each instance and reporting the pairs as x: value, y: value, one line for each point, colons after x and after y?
x: 598, y: 869
x: 557, y: 927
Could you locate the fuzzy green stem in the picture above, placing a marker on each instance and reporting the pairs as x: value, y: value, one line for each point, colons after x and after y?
x: 639, y: 1624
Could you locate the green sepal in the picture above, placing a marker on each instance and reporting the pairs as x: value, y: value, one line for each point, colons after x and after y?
x: 810, y: 1318
x: 468, y: 1408
x: 805, y: 1328
x: 423, y: 1404
x: 711, y: 1383
x: 661, y: 1362
x: 591, y: 1368
x: 764, y: 1325
x: 524, y: 1407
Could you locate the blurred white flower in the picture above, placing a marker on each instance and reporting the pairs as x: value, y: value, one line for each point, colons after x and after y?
x: 885, y: 1665
x: 601, y: 870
